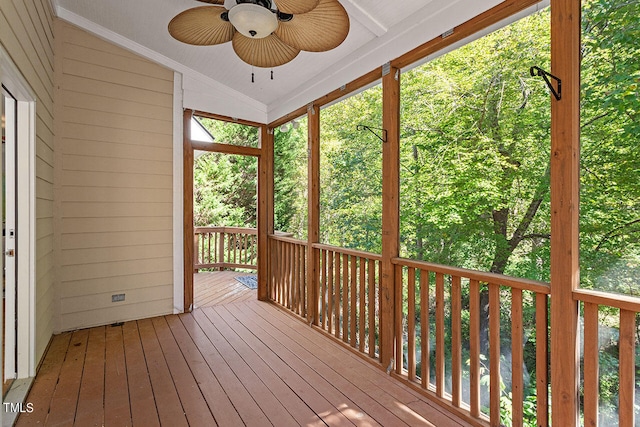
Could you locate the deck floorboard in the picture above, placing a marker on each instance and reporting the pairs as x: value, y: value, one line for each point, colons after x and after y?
x: 220, y: 287
x: 244, y: 363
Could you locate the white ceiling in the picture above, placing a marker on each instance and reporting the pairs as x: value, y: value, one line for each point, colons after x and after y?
x: 216, y: 80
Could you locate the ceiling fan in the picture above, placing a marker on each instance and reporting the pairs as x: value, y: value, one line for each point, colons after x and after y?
x: 264, y: 33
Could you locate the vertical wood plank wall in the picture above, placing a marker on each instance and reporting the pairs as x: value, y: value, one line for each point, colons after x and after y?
x: 26, y: 34
x: 113, y: 182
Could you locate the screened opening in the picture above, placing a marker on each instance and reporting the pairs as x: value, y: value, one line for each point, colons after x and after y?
x: 351, y: 172
x: 290, y: 170
x: 474, y: 193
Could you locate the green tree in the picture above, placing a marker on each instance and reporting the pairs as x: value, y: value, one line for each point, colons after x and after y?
x: 290, y: 180
x: 351, y: 173
x: 610, y: 140
x: 475, y: 154
x: 225, y: 186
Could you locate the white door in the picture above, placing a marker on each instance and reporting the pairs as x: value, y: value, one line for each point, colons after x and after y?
x: 9, y: 120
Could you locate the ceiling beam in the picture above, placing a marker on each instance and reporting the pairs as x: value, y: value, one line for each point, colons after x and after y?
x: 363, y: 17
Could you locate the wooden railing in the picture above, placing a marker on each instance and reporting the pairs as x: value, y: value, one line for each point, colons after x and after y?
x: 430, y: 294
x: 460, y: 335
x: 288, y: 282
x: 435, y: 357
x: 348, y: 296
x: 627, y: 308
x: 225, y: 247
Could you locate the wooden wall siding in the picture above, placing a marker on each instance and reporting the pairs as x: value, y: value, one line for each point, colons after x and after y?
x: 113, y: 182
x: 26, y: 33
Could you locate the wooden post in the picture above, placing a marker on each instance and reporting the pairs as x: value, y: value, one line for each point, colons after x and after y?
x: 313, y: 225
x: 565, y: 181
x: 187, y: 203
x: 390, y: 211
x: 265, y: 209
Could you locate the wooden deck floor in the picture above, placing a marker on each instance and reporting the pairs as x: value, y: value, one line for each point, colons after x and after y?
x: 220, y: 287
x: 230, y: 365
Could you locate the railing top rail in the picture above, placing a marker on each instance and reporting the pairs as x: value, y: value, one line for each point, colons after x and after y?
x: 354, y: 252
x: 285, y: 238
x: 481, y: 276
x: 224, y: 229
x: 623, y: 302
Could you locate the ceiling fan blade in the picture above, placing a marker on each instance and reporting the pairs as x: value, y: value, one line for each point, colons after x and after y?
x: 201, y: 26
x: 212, y: 1
x: 296, y: 6
x: 267, y: 52
x: 322, y: 29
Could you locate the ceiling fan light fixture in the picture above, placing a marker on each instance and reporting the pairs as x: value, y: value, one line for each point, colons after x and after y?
x: 252, y: 20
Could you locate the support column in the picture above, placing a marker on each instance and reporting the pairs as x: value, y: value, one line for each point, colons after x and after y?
x: 265, y: 210
x: 187, y: 203
x: 313, y: 216
x: 565, y: 182
x: 390, y: 211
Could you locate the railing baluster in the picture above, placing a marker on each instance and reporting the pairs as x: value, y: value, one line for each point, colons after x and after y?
x: 398, y: 271
x: 474, y: 347
x: 221, y: 248
x: 440, y: 373
x: 330, y: 295
x: 354, y: 301
x: 337, y: 293
x: 205, y: 247
x: 345, y: 297
x: 456, y: 337
x: 195, y: 252
x: 362, y: 300
x: 516, y: 357
x: 283, y: 264
x: 323, y: 288
x: 494, y: 351
x: 627, y: 375
x: 425, y: 348
x: 371, y: 310
x: 411, y: 324
x: 303, y: 280
x: 591, y: 364
x: 295, y: 272
x: 289, y: 275
x: 542, y: 356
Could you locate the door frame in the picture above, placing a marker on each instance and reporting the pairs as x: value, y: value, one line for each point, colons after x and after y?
x: 13, y: 80
x: 261, y: 153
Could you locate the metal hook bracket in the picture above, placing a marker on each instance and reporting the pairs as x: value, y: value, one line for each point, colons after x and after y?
x: 382, y: 138
x: 537, y: 71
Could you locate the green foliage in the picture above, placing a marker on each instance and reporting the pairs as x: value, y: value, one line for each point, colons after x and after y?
x: 475, y: 154
x: 225, y: 185
x: 610, y: 137
x: 225, y: 190
x: 351, y: 173
x: 290, y: 180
